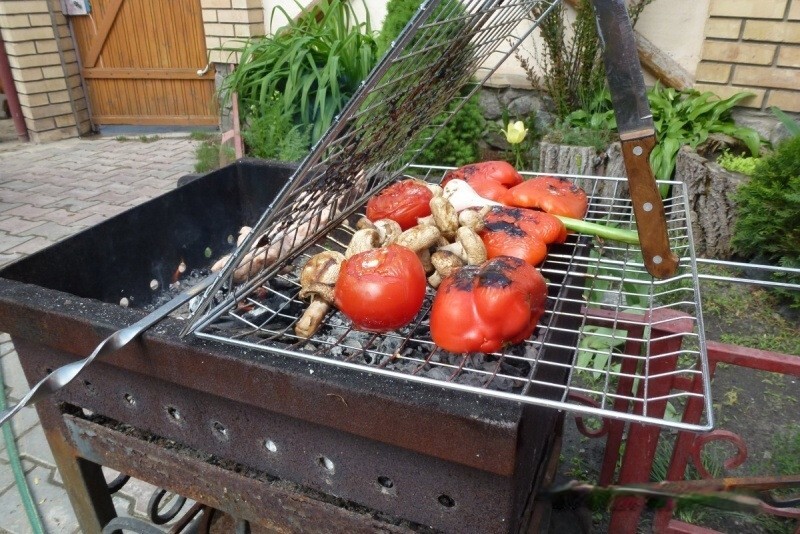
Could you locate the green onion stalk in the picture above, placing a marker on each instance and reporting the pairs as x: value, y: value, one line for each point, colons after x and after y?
x: 600, y: 230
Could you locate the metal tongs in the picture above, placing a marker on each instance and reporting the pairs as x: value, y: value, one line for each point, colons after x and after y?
x: 62, y: 376
x: 745, y: 494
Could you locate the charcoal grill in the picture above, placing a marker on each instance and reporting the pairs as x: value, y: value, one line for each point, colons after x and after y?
x: 279, y: 441
x: 355, y: 431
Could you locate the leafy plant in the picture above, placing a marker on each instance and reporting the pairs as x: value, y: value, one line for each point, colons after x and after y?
x: 597, y: 345
x: 598, y: 114
x: 738, y: 163
x: 272, y: 134
x: 315, y: 63
x: 680, y: 117
x: 768, y: 225
x: 572, y: 63
x: 688, y: 118
x: 792, y: 126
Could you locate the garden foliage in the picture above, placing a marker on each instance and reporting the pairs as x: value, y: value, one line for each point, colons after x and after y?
x: 457, y: 142
x: 768, y: 225
x: 315, y: 64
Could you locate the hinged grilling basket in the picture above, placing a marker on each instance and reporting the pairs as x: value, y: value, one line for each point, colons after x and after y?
x: 614, y: 342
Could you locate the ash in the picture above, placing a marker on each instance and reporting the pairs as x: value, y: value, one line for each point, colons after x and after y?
x: 189, y: 280
x: 268, y: 316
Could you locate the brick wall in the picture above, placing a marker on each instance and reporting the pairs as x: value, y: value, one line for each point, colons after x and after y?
x: 753, y: 46
x: 44, y: 65
x: 227, y: 23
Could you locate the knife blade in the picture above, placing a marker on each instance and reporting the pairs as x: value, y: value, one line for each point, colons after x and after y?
x: 637, y: 133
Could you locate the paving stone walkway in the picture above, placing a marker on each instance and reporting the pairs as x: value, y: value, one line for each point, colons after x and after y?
x: 49, y: 192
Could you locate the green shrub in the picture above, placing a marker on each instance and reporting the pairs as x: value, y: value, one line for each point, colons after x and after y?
x: 398, y: 13
x: 768, y: 225
x: 737, y: 163
x: 457, y: 142
x: 271, y: 134
x: 315, y: 63
x: 211, y: 155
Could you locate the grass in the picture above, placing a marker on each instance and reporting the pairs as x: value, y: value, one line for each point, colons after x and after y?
x: 202, y: 136
x: 141, y: 138
x: 747, y: 315
x: 211, y: 155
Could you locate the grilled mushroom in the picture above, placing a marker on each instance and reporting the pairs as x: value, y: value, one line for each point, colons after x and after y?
x: 317, y: 280
x: 473, y: 218
x: 445, y: 263
x: 362, y: 240
x: 468, y: 246
x: 388, y: 231
x: 444, y: 216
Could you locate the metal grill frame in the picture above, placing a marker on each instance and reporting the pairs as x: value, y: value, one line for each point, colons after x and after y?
x: 613, y: 271
x: 449, y: 49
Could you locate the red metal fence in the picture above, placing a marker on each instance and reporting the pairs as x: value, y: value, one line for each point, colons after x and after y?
x: 633, y: 464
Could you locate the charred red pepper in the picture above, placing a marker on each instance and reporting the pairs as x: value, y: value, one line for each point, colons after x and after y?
x: 404, y: 202
x: 483, y: 308
x: 554, y: 195
x: 490, y: 179
x: 520, y: 233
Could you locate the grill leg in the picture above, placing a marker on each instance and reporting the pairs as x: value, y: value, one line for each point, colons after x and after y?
x: 83, y: 480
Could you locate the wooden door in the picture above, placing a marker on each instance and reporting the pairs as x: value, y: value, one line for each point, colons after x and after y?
x: 140, y: 60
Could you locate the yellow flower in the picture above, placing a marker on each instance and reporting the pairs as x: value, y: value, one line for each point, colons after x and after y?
x: 515, y: 133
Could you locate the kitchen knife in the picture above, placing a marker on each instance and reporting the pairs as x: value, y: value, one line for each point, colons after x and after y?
x: 637, y: 133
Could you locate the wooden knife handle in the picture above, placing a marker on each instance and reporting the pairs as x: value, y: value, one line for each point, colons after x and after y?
x: 648, y: 207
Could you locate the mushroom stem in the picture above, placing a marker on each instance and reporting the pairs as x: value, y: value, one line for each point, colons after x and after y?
x: 311, y: 319
x: 317, y: 279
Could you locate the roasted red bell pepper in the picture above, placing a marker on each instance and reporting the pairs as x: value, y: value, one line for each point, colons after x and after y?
x: 483, y: 308
x: 404, y: 202
x: 490, y: 179
x: 521, y: 233
x: 555, y: 195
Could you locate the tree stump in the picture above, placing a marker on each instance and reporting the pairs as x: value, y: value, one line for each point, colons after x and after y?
x: 710, y: 189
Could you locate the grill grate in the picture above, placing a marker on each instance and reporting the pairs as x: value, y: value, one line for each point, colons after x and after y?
x: 610, y: 329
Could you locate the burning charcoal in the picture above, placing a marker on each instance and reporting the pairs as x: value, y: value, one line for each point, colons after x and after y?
x: 390, y: 344
x: 439, y: 373
x: 352, y: 344
x: 471, y: 379
x: 373, y: 358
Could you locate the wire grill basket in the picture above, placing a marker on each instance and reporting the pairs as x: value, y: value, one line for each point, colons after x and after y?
x: 614, y: 342
x: 448, y: 50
